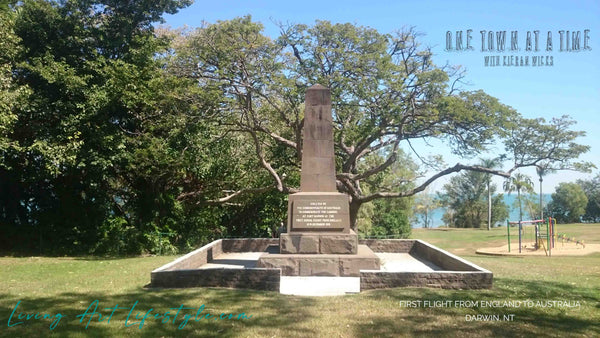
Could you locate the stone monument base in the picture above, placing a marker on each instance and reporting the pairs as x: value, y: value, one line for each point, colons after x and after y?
x: 345, y: 265
x: 318, y: 243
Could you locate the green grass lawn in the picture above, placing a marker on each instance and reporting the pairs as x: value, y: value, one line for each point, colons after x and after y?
x: 68, y: 286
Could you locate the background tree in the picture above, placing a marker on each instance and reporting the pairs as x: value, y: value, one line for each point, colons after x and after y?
x: 465, y: 197
x: 391, y: 218
x: 10, y: 92
x: 542, y: 169
x: 519, y: 183
x: 397, y: 223
x: 385, y: 92
x: 568, y: 203
x: 424, y: 204
x: 114, y: 141
x: 531, y: 205
x: 489, y: 163
x: 591, y: 188
x: 82, y: 145
x: 549, y: 146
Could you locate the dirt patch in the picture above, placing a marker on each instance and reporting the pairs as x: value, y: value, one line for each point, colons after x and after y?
x: 560, y: 249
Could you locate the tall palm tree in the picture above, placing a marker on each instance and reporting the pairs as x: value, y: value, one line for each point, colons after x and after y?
x: 542, y: 170
x: 519, y: 182
x: 489, y: 163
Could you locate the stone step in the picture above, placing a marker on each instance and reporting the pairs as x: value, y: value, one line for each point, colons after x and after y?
x: 318, y: 243
x: 321, y: 264
x: 319, y: 286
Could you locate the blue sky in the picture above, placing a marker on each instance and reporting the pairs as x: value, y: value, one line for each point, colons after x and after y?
x: 571, y: 86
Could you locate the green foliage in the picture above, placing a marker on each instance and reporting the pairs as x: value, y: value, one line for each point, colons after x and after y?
x: 260, y: 216
x: 68, y: 285
x: 385, y: 90
x: 592, y: 192
x: 547, y: 145
x: 391, y: 218
x: 364, y: 223
x: 117, y: 238
x: 425, y: 203
x: 111, y: 136
x: 465, y: 198
x: 568, y: 203
x: 90, y: 100
x: 519, y: 183
x: 531, y: 203
x: 388, y: 217
x: 10, y: 92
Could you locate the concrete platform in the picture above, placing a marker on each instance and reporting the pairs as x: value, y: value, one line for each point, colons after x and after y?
x: 234, y: 263
x: 405, y: 262
x: 392, y: 262
x: 322, y: 285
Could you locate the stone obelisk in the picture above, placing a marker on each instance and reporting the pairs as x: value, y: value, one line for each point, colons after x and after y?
x: 318, y: 216
x: 319, y: 241
x: 318, y: 162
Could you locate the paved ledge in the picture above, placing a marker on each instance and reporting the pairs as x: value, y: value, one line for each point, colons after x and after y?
x: 233, y: 260
x: 405, y: 263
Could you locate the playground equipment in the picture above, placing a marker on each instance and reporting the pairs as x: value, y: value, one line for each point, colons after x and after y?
x: 543, y: 230
x: 563, y: 238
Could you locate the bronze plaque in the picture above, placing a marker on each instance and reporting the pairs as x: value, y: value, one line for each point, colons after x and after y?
x: 319, y: 214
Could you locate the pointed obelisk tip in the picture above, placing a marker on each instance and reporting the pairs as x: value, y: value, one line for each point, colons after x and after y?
x: 317, y: 87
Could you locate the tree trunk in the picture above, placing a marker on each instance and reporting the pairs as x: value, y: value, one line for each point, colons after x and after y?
x: 520, y: 210
x: 489, y: 206
x: 354, y: 206
x: 541, y: 201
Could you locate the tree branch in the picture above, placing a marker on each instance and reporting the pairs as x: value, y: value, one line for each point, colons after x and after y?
x: 456, y: 168
x: 372, y: 171
x: 279, y: 184
x: 233, y: 195
x: 278, y: 138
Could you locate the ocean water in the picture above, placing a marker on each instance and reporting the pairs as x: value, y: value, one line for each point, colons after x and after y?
x: 513, y: 212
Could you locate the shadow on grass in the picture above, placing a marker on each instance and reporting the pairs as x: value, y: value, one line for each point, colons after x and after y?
x: 457, y: 326
x: 112, y: 258
x: 372, y: 313
x: 462, y: 321
x: 265, y: 311
x: 76, y: 258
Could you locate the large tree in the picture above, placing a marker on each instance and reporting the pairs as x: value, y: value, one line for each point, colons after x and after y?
x: 592, y: 192
x: 386, y: 92
x: 83, y: 133
x: 548, y: 146
x: 568, y: 202
x: 542, y: 169
x: 465, y: 197
x: 10, y: 93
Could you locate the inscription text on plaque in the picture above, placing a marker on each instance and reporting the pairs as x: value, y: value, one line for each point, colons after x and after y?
x: 317, y: 214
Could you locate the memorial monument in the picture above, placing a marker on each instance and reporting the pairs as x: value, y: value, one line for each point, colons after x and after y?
x: 319, y: 241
